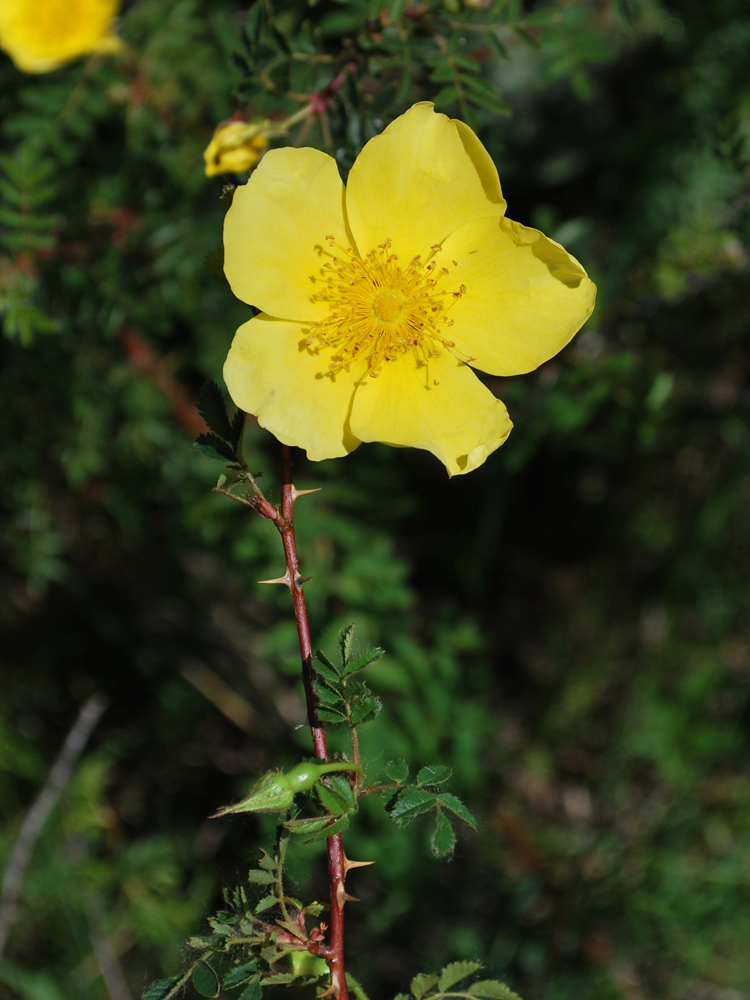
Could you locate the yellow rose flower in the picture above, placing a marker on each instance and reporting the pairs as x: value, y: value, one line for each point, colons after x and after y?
x: 376, y: 298
x: 236, y: 146
x: 40, y: 35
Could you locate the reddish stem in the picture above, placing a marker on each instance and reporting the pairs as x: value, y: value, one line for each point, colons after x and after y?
x: 334, y: 952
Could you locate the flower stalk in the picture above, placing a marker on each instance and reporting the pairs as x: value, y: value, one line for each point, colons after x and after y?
x: 338, y: 865
x: 334, y: 951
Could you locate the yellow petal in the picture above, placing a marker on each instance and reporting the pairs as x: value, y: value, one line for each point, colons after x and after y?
x: 270, y: 372
x: 276, y: 229
x: 525, y: 298
x: 418, y: 182
x: 39, y: 36
x: 458, y: 420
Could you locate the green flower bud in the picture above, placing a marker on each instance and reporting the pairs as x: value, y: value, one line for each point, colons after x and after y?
x: 275, y: 792
x: 271, y: 793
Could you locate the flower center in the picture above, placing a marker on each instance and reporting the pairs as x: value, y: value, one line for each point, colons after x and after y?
x: 379, y: 310
x: 387, y: 306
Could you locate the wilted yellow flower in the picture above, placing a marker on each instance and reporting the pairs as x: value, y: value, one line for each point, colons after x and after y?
x: 236, y: 146
x: 377, y: 298
x: 40, y: 35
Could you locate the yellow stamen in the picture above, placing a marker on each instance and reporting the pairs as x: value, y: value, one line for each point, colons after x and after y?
x: 379, y: 310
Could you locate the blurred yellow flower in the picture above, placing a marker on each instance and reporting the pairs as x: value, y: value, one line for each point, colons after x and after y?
x: 377, y: 298
x: 236, y: 146
x: 41, y: 35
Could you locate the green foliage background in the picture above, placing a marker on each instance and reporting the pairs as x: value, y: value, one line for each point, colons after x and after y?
x: 567, y: 628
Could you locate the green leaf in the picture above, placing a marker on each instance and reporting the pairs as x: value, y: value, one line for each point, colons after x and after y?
x: 279, y: 979
x: 496, y: 45
x: 346, y: 638
x: 240, y: 974
x: 251, y: 992
x: 161, y: 989
x: 206, y: 981
x: 453, y: 804
x: 410, y: 803
x: 336, y: 795
x: 457, y: 971
x: 337, y: 826
x: 266, y: 903
x: 528, y: 37
x: 199, y: 943
x: 329, y: 715
x: 328, y: 695
x: 542, y: 16
x: 267, y: 862
x: 448, y: 95
x: 492, y: 990
x: 212, y: 408
x: 365, y: 709
x: 326, y: 668
x: 422, y: 983
x: 482, y: 93
x: 443, y: 73
x: 433, y: 775
x: 397, y: 770
x: 236, y: 428
x: 254, y: 22
x: 361, y: 660
x: 211, y: 446
x: 404, y: 87
x: 444, y: 838
x: 467, y: 63
x: 308, y: 824
x: 259, y: 877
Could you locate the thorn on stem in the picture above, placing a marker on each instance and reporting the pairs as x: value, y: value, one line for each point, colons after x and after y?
x: 303, y: 493
x: 342, y: 896
x: 285, y: 579
x: 355, y: 864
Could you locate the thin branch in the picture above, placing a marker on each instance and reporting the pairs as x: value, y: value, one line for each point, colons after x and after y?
x: 57, y: 779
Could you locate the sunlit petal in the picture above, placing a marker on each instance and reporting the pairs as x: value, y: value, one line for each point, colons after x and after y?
x: 458, y: 419
x: 525, y: 296
x: 419, y: 181
x: 270, y: 372
x: 275, y: 231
